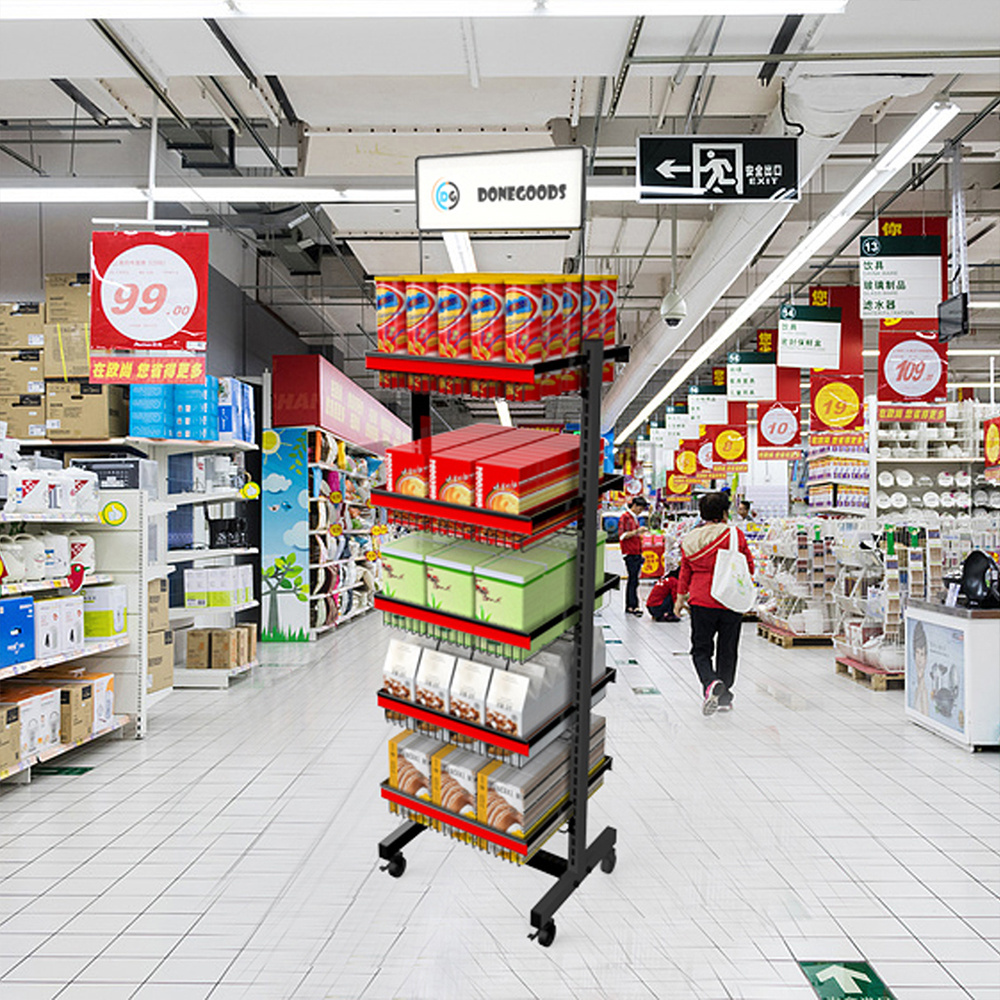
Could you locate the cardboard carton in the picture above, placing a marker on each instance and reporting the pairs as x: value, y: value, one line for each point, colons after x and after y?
x: 22, y: 373
x: 67, y: 350
x: 10, y: 737
x: 21, y: 326
x: 198, y: 649
x: 76, y: 702
x: 242, y: 650
x: 105, y: 615
x: 40, y: 714
x: 83, y: 411
x: 104, y: 691
x: 159, y: 661
x: 225, y: 646
x: 59, y: 626
x: 158, y: 606
x: 67, y: 298
x: 408, y: 465
x: 251, y: 637
x: 24, y: 416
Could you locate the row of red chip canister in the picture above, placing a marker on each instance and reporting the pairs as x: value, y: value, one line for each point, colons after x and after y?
x: 520, y: 318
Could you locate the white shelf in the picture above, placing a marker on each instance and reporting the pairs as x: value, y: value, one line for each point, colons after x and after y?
x: 51, y: 752
x: 101, y: 646
x: 335, y: 562
x: 34, y: 586
x: 171, y: 444
x: 157, y: 696
x: 219, y: 496
x: 856, y: 511
x: 944, y: 460
x: 52, y: 516
x: 209, y: 678
x: 181, y: 613
x: 198, y: 555
x: 866, y: 483
x: 156, y: 571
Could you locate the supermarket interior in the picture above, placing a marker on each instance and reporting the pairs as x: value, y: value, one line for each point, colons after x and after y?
x: 499, y: 499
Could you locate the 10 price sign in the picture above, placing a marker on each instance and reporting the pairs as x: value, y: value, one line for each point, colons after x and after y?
x: 149, y: 291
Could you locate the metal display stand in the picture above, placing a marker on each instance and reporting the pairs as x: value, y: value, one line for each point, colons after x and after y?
x: 583, y: 856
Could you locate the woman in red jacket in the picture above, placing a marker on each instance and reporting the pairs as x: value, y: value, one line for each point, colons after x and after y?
x: 709, y: 619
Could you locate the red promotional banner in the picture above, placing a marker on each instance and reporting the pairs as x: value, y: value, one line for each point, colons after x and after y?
x: 706, y: 453
x: 719, y: 377
x: 837, y: 402
x: 148, y: 291
x: 789, y: 385
x: 686, y: 458
x: 913, y: 366
x: 729, y: 449
x: 846, y: 298
x: 779, y: 431
x: 767, y: 341
x: 991, y: 449
x: 147, y: 370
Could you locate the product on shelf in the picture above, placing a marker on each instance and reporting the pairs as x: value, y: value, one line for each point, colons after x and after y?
x: 390, y: 308
x: 39, y: 712
x: 100, y: 682
x: 408, y: 465
x: 469, y: 686
x: 489, y: 310
x: 76, y: 702
x: 81, y: 410
x: 67, y: 297
x: 454, y: 318
x: 21, y: 325
x: 521, y: 480
x: 123, y: 473
x: 59, y: 627
x: 104, y: 611
x: 434, y: 677
x: 399, y: 672
x: 159, y: 660
x: 10, y: 735
x: 450, y: 575
x: 67, y: 349
x: 17, y: 630
x: 410, y: 757
x: 22, y: 373
x: 24, y: 416
x: 519, y: 593
x: 404, y: 568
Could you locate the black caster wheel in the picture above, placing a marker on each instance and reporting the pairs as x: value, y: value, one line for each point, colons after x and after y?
x: 608, y: 862
x: 396, y: 865
x: 547, y: 934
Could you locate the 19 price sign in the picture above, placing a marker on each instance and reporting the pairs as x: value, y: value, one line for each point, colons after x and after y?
x: 913, y: 367
x: 149, y: 291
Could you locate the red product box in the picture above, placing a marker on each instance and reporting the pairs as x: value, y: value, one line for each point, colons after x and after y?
x: 453, y: 472
x: 525, y: 479
x: 408, y: 468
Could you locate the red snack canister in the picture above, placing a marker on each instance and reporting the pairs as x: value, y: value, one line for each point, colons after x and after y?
x: 487, y: 305
x: 454, y: 319
x: 609, y: 319
x: 592, y: 308
x: 572, y: 294
x: 390, y: 314
x: 524, y: 320
x: 421, y: 315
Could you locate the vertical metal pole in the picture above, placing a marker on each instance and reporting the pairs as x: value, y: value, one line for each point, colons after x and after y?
x: 586, y: 561
x: 420, y: 415
x: 151, y: 183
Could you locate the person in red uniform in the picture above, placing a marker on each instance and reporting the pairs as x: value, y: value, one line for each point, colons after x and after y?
x: 714, y: 628
x: 630, y: 540
x: 660, y: 603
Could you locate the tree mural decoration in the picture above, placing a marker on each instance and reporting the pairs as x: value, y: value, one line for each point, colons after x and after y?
x: 282, y: 576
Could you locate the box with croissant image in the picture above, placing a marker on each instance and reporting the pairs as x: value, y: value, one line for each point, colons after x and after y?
x: 516, y: 800
x: 454, y: 775
x: 524, y: 479
x: 407, y: 465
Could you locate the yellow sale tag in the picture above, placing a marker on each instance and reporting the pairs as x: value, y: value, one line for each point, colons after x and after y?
x: 371, y: 556
x: 250, y: 490
x: 336, y: 497
x: 336, y: 530
x: 114, y: 513
x: 380, y: 529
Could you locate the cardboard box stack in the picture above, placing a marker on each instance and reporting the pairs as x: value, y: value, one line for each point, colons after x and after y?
x: 160, y: 641
x: 221, y: 648
x: 218, y: 587
x: 22, y: 344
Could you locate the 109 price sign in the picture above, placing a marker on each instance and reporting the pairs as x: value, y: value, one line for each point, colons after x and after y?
x: 912, y: 368
x: 149, y: 290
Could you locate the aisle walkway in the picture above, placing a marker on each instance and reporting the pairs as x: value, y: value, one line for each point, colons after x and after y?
x: 233, y: 853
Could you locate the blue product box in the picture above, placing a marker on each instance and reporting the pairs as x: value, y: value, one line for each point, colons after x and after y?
x: 17, y: 630
x: 180, y: 528
x: 150, y: 425
x: 249, y: 431
x: 230, y: 402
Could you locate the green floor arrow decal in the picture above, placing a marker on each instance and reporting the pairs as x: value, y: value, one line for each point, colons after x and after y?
x: 835, y: 980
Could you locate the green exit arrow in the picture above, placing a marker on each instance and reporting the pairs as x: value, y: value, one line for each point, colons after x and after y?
x: 836, y: 980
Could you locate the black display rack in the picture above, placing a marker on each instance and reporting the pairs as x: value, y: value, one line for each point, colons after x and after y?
x: 583, y: 855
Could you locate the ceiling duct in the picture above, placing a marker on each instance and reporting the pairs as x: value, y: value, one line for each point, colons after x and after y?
x: 826, y: 107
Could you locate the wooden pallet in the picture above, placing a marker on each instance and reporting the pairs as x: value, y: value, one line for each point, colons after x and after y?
x: 876, y: 678
x: 786, y: 639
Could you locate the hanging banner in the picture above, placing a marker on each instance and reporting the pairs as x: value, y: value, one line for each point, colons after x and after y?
x: 921, y: 225
x: 729, y: 449
x: 686, y: 458
x: 719, y: 378
x: 751, y: 375
x: 677, y: 488
x: 913, y: 369
x: 900, y: 276
x: 779, y: 431
x: 679, y: 424
x: 846, y: 298
x: 991, y: 449
x: 767, y: 341
x: 836, y: 402
x: 808, y: 337
x: 706, y: 456
x: 147, y: 370
x: 707, y: 404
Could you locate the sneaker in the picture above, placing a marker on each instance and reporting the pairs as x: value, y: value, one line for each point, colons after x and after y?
x: 713, y: 693
x: 727, y: 707
x: 671, y: 618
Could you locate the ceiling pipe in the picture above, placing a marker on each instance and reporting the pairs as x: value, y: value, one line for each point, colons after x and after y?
x: 735, y: 58
x: 826, y: 108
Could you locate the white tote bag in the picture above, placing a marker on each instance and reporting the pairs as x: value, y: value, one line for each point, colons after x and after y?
x: 732, y: 584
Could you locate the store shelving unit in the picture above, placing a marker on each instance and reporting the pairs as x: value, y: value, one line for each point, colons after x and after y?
x: 583, y: 855
x: 59, y: 583
x: 204, y: 555
x: 20, y: 773
x: 210, y: 678
x: 90, y: 649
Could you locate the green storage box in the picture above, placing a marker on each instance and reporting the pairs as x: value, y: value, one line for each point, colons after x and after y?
x: 450, y: 577
x: 558, y: 555
x: 404, y: 573
x: 515, y: 592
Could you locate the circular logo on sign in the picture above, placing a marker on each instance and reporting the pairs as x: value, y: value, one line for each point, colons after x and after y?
x: 633, y: 487
x: 250, y: 491
x: 336, y: 497
x: 445, y: 196
x: 778, y: 426
x: 730, y: 445
x: 114, y: 513
x: 871, y: 247
x: 993, y: 444
x: 687, y: 463
x: 837, y: 405
x: 148, y: 293
x: 912, y: 368
x: 371, y: 556
x: 336, y: 530
x: 788, y: 311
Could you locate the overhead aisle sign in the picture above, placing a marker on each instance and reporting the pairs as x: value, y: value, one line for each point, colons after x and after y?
x: 808, y: 337
x: 707, y: 404
x: 751, y: 375
x: 717, y: 168
x: 900, y: 276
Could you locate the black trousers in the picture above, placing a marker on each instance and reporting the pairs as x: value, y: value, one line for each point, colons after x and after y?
x: 715, y: 636
x: 633, y: 564
x: 659, y: 611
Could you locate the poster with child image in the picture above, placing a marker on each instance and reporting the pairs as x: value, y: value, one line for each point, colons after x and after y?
x: 935, y: 673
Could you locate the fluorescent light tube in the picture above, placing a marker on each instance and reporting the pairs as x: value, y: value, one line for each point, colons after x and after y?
x: 984, y: 305
x: 73, y: 195
x: 33, y: 10
x: 874, y: 179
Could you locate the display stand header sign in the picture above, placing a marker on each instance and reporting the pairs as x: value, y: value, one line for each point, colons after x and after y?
x: 808, y: 337
x: 527, y: 189
x: 900, y: 276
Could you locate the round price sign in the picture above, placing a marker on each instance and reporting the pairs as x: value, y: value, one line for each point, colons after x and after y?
x: 779, y: 426
x: 837, y: 404
x: 913, y: 369
x: 371, y: 556
x: 705, y: 455
x: 380, y: 529
x: 336, y: 497
x: 677, y: 484
x: 336, y: 530
x: 730, y: 445
x: 687, y: 463
x: 993, y: 444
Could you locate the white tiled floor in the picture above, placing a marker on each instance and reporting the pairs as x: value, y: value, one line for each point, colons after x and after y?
x: 233, y: 853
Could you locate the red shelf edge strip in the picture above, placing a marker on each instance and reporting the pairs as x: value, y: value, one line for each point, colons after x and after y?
x: 452, y: 819
x: 430, y: 617
x: 444, y: 368
x: 468, y: 515
x: 412, y: 711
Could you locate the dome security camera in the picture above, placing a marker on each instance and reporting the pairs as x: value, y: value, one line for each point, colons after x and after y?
x: 673, y: 308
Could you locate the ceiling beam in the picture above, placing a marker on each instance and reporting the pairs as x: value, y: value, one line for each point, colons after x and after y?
x: 735, y: 58
x: 82, y: 101
x: 780, y: 46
